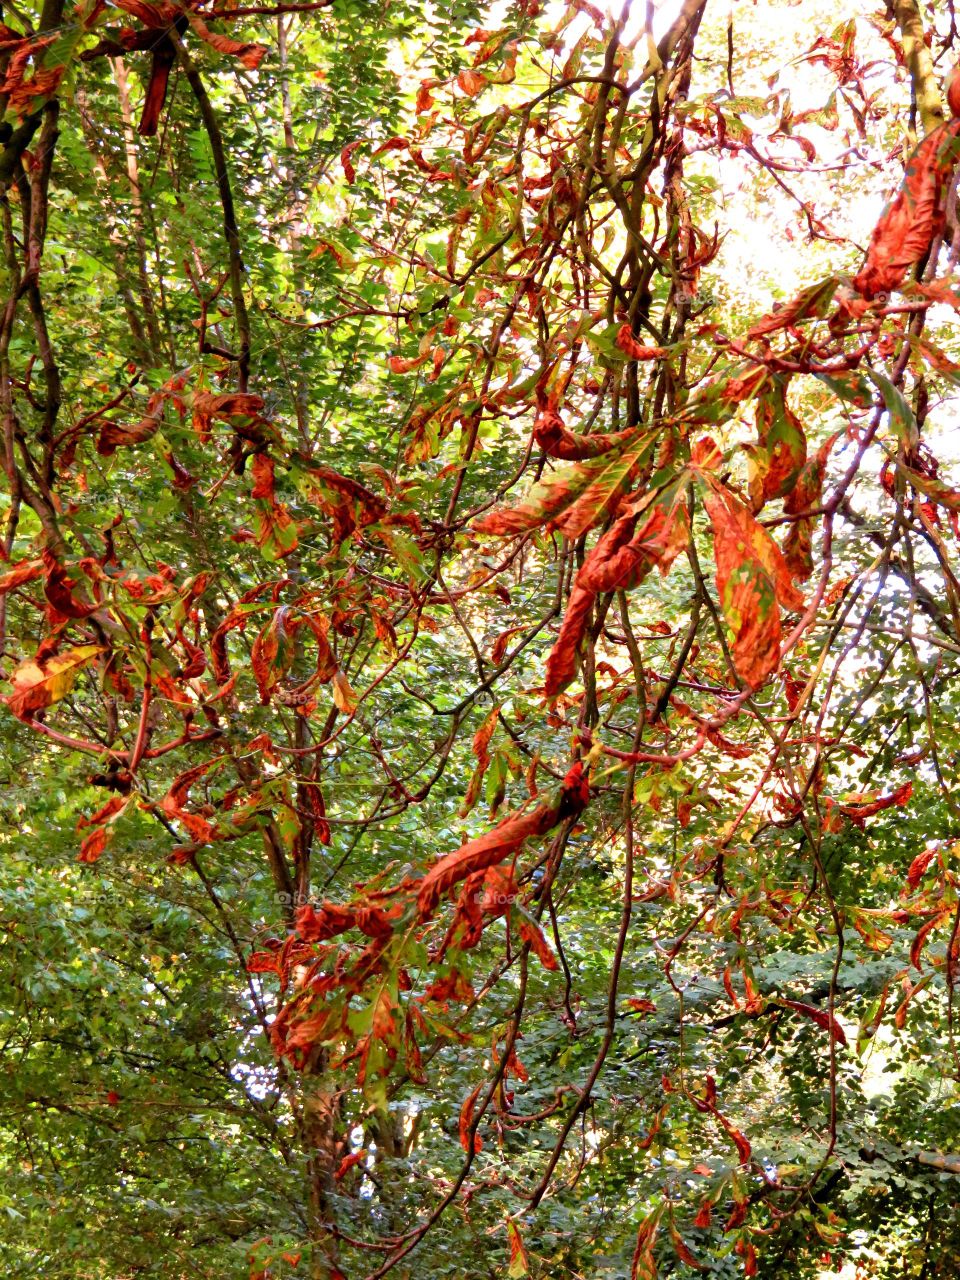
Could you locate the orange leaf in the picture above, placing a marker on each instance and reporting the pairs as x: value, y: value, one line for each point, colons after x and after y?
x: 345, y: 159
x: 93, y: 845
x: 682, y: 1251
x: 621, y: 559
x: 538, y: 944
x: 471, y: 82
x: 860, y: 808
x: 554, y: 439
x: 634, y: 349
x: 919, y: 866
x: 344, y: 696
x: 519, y: 1262
x: 24, y: 571
x: 398, y: 364
x: 920, y: 941
x: 263, y: 656
x: 249, y: 54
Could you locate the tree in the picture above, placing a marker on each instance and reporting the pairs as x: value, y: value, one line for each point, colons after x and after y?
x: 480, y: 710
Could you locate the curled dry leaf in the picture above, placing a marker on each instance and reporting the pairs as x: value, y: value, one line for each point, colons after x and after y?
x: 635, y: 350
x: 919, y: 866
x: 861, y: 807
x: 776, y: 461
x: 533, y: 934
x: 506, y: 838
x: 556, y: 441
x: 20, y: 574
x: 344, y: 696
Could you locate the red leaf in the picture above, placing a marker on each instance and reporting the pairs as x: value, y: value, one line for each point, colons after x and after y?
x: 728, y: 987
x: 644, y: 1266
x: 742, y: 1143
x: 263, y: 657
x: 641, y: 1006
x: 776, y: 461
x: 39, y: 684
x: 622, y: 558
x: 20, y: 573
x: 348, y: 169
x: 481, y: 741
x: 519, y: 1262
x: 452, y: 987
x: 813, y: 301
x: 821, y: 1017
x: 682, y: 1251
x: 276, y: 530
x: 704, y: 1215
x: 749, y: 1260
x: 249, y: 54
x: 58, y: 589
x: 113, y: 806
x: 575, y: 498
x: 859, y: 809
x: 900, y: 1017
x: 348, y: 1162
x: 398, y: 364
x: 471, y: 82
x: 554, y: 439
x: 634, y: 349
x: 424, y: 96
x: 318, y: 924
x: 805, y: 496
x: 262, y: 470
x: 234, y: 404
x: 199, y: 829
x: 920, y: 863
x: 920, y: 941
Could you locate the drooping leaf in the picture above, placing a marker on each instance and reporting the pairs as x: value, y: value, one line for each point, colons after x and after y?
x: 753, y: 583
x: 911, y: 220
x: 519, y: 1262
x: 781, y: 450
x: 621, y: 559
x: 470, y: 1142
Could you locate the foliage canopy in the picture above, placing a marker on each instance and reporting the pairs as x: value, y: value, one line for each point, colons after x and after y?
x: 479, y: 620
